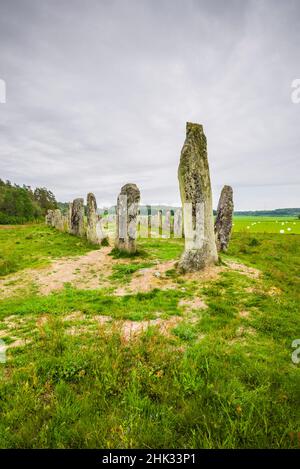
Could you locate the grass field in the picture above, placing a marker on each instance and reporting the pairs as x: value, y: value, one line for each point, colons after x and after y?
x: 112, y: 352
x: 281, y: 225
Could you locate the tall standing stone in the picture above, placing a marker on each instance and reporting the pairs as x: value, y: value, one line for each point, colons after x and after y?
x: 65, y: 223
x: 127, y: 212
x: 223, y: 223
x: 57, y: 220
x: 167, y: 224
x: 101, y: 232
x: 159, y: 223
x: 69, y: 215
x: 172, y: 214
x: 77, y: 218
x: 91, y: 231
x: 49, y: 217
x: 104, y: 220
x: 178, y: 226
x: 196, y: 196
x: 149, y: 221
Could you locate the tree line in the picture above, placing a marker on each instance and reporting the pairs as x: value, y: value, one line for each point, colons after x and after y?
x: 21, y: 204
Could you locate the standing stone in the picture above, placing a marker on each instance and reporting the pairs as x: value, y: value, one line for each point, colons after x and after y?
x: 105, y: 215
x: 127, y: 212
x: 167, y: 224
x: 65, y: 222
x: 149, y: 221
x: 48, y: 217
x: 172, y: 213
x: 69, y: 217
x: 57, y: 220
x: 91, y: 231
x: 223, y: 223
x: 53, y: 219
x: 159, y: 222
x: 178, y: 223
x: 195, y: 190
x: 101, y: 232
x: 77, y: 218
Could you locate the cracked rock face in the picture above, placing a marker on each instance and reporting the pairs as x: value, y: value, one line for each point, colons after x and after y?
x: 92, y: 219
x: 77, y: 218
x: 223, y: 223
x: 196, y: 196
x: 127, y: 214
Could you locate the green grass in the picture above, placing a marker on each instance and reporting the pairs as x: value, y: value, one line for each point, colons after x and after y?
x: 135, y: 307
x: 223, y: 377
x: 162, y: 249
x: 289, y: 225
x: 34, y: 245
x: 122, y: 272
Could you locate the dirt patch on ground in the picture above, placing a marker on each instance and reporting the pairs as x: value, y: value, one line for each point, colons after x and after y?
x: 88, y: 272
x: 242, y: 331
x: 128, y: 329
x: 14, y: 321
x: 75, y: 316
x: 18, y: 343
x: 13, y: 227
x: 14, y: 284
x: 93, y: 270
x: 100, y: 319
x: 145, y: 280
x: 209, y: 273
x: 192, y: 304
x: 244, y: 269
x: 244, y: 314
x: 156, y: 277
x: 131, y: 329
x: 241, y: 335
x: 77, y: 323
x: 274, y: 291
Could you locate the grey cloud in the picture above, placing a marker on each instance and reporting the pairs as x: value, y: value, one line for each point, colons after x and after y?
x: 98, y: 94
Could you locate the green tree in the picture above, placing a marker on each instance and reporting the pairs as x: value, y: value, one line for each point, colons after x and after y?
x: 45, y: 199
x: 20, y: 204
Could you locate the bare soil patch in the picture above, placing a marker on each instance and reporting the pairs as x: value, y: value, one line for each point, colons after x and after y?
x: 244, y: 269
x: 92, y: 271
x: 192, y: 304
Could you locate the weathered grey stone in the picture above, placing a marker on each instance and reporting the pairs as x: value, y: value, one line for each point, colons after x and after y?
x: 223, y: 223
x: 127, y: 211
x: 100, y: 230
x: 91, y: 232
x: 195, y: 190
x: 167, y: 224
x: 172, y: 213
x: 77, y: 218
x: 148, y: 221
x: 159, y: 222
x: 65, y: 223
x: 49, y: 217
x: 105, y: 219
x: 57, y: 220
x: 69, y: 215
x: 178, y: 225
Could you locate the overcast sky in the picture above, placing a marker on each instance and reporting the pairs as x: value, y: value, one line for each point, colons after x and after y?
x: 99, y: 92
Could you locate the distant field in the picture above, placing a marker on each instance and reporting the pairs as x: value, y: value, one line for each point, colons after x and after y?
x: 281, y: 225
